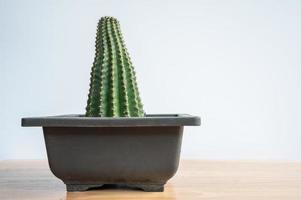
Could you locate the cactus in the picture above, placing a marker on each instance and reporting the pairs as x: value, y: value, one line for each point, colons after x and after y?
x: 113, y: 87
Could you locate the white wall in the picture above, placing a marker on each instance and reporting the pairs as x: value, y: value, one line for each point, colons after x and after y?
x: 234, y: 63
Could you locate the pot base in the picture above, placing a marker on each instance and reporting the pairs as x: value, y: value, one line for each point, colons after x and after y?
x: 144, y: 187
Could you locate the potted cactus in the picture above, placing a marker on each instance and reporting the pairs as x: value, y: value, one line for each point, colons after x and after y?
x: 114, y: 142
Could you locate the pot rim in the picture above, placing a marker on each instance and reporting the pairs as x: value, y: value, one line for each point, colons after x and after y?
x: 78, y: 120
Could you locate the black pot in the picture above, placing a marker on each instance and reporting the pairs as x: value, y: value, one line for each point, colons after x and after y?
x: 87, y: 152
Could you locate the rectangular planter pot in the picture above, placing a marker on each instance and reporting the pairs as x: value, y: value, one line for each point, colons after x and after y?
x: 88, y: 152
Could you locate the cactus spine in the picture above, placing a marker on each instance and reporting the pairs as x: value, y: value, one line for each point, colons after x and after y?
x: 113, y: 87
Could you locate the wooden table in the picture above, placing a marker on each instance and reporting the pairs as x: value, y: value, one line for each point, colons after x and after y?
x: 212, y: 180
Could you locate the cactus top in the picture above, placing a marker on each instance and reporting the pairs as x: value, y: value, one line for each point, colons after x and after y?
x: 113, y: 88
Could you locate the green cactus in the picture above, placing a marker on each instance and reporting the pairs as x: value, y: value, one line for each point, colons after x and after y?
x: 113, y: 87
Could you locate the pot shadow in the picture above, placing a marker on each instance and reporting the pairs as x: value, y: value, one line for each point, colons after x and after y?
x: 115, y: 187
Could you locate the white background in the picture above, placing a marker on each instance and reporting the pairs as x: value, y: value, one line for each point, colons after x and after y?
x: 234, y: 63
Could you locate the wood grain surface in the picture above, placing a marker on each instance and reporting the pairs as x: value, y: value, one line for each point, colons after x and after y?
x: 212, y: 180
